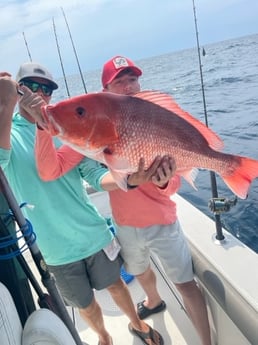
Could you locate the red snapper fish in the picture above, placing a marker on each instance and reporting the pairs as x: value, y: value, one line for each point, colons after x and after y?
x: 118, y: 130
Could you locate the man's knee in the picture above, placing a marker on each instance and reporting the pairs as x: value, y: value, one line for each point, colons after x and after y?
x: 187, y: 289
x: 116, y: 287
x: 89, y: 309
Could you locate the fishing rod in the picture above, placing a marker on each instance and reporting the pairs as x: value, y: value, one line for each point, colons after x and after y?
x: 60, y: 58
x: 27, y: 47
x: 217, y: 205
x: 74, y: 50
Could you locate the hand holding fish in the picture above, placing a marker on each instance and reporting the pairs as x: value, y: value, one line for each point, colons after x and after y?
x: 32, y: 103
x: 144, y: 175
x: 165, y: 171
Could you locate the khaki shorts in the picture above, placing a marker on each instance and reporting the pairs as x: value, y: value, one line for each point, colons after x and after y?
x: 166, y: 241
x: 77, y: 280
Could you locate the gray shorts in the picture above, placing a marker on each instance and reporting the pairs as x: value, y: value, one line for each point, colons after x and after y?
x: 166, y: 241
x: 77, y: 280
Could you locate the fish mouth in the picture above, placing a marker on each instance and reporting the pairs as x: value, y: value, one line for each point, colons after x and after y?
x: 49, y: 123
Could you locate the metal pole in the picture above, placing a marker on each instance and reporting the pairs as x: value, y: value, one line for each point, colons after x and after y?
x: 75, y: 53
x: 27, y: 47
x: 219, y: 233
x: 60, y: 58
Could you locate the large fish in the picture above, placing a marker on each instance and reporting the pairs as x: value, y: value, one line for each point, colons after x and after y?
x: 118, y: 130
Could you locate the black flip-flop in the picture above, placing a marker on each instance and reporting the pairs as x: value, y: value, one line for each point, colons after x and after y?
x: 147, y: 336
x: 144, y: 311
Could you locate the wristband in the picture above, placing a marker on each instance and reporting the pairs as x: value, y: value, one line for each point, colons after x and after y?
x: 129, y: 186
x: 39, y: 127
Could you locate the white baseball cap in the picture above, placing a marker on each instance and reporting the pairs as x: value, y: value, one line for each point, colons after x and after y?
x: 31, y: 69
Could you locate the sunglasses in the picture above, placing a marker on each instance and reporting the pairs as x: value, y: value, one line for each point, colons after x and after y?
x: 35, y: 86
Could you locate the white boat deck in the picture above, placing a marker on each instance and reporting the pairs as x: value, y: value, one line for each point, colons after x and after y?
x: 173, y: 324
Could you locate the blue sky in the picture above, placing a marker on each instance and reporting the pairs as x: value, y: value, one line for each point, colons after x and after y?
x: 103, y: 28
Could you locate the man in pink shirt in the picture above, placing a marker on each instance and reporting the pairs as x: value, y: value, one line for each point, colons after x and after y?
x: 146, y: 222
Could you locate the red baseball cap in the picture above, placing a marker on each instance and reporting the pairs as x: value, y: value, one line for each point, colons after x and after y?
x: 114, y: 66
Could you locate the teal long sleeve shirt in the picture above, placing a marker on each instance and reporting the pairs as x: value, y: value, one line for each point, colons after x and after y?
x: 67, y: 225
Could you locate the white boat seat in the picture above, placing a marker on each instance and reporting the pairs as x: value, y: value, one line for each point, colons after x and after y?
x: 43, y: 327
x: 10, y: 324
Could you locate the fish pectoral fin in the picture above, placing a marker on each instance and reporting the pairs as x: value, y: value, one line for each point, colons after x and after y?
x: 104, y: 134
x: 189, y: 176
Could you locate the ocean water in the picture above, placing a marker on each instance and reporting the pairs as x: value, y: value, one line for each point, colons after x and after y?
x: 230, y: 78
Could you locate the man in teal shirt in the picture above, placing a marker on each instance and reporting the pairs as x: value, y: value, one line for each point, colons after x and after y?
x: 72, y: 236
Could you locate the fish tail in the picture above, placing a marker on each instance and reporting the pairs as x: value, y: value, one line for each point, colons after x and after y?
x: 239, y: 181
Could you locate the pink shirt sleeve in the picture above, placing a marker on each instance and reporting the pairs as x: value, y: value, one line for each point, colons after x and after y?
x: 51, y: 162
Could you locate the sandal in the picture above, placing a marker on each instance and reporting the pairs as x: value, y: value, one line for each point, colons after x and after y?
x: 152, y: 337
x: 144, y: 312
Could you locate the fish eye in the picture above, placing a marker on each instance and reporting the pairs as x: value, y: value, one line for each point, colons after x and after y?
x: 80, y: 111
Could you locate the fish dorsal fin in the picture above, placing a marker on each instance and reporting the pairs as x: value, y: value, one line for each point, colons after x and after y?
x: 167, y: 102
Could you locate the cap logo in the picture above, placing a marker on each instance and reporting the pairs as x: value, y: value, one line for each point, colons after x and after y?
x: 38, y: 70
x: 120, y: 62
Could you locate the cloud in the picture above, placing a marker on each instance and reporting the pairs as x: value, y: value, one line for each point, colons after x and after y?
x: 103, y: 28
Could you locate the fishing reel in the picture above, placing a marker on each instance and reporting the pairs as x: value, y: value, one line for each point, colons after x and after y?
x: 221, y: 205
